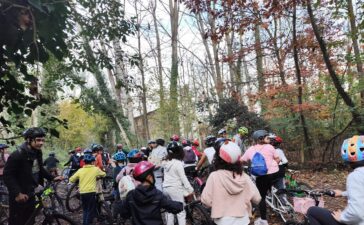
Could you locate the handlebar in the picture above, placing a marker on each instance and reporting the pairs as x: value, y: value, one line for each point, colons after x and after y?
x: 313, y: 193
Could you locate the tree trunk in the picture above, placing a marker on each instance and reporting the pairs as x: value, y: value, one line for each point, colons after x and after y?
x: 300, y: 92
x: 259, y: 63
x: 144, y: 88
x: 173, y: 103
x: 159, y: 57
x: 354, y: 38
x: 357, y: 117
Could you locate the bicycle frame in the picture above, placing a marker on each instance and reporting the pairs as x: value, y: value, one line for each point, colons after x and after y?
x: 276, y: 204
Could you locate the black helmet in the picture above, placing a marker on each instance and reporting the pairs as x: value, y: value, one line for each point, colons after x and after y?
x: 34, y: 132
x: 160, y: 141
x: 52, y: 154
x: 173, y: 147
x: 259, y: 135
x: 210, y: 140
x: 96, y: 147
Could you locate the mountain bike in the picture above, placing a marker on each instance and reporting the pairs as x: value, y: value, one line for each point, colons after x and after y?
x: 45, y: 213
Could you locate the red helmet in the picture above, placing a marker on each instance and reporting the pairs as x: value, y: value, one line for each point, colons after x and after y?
x: 195, y: 142
x: 142, y: 170
x: 278, y: 139
x: 175, y: 137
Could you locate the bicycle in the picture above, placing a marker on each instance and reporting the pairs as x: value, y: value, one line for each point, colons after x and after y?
x: 4, y: 207
x: 292, y: 183
x: 73, y: 198
x: 44, y: 213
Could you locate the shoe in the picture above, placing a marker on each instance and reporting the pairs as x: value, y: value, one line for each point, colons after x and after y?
x: 259, y: 221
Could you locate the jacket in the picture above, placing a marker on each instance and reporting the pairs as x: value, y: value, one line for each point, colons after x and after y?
x: 175, y: 177
x: 353, y: 213
x: 144, y: 205
x: 228, y: 196
x: 87, y: 177
x: 18, y: 176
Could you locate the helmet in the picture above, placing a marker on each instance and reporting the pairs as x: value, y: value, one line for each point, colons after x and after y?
x: 352, y: 149
x: 134, y: 153
x: 34, y: 132
x: 195, y: 142
x: 210, y: 140
x: 175, y: 137
x: 259, y: 134
x: 229, y: 152
x: 278, y: 139
x: 119, y: 146
x: 221, y: 131
x: 88, y: 158
x: 87, y: 151
x: 186, y: 142
x: 142, y: 170
x: 243, y: 131
x: 2, y: 146
x: 173, y: 147
x: 151, y: 142
x: 160, y: 141
x: 51, y: 154
x: 71, y: 152
x: 119, y: 156
x: 272, y: 135
x: 96, y: 147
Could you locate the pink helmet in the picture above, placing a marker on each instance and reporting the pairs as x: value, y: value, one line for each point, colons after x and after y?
x: 195, y: 142
x: 175, y: 137
x: 142, y: 170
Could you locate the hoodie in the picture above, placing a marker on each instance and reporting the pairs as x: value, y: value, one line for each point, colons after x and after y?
x: 353, y: 213
x: 175, y: 177
x: 228, y: 196
x: 144, y: 204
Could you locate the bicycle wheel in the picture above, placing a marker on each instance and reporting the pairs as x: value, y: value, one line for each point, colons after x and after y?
x: 73, y: 199
x: 57, y: 204
x: 61, y: 189
x: 58, y: 219
x: 197, y: 214
x: 103, y: 214
x: 195, y: 185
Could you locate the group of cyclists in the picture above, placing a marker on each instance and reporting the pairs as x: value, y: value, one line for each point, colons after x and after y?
x: 154, y: 177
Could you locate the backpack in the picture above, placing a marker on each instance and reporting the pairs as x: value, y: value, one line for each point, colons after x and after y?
x: 258, y: 165
x: 190, y: 156
x: 126, y: 184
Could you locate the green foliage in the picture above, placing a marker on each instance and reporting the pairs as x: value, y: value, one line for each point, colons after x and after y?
x: 83, y: 128
x: 230, y: 110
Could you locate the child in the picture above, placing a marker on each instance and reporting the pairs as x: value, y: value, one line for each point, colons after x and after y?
x: 271, y: 158
x: 119, y: 160
x: 228, y: 191
x: 353, y: 154
x: 87, y: 186
x: 276, y: 141
x: 189, y: 158
x: 134, y: 156
x: 145, y: 202
x: 208, y: 153
x: 176, y: 184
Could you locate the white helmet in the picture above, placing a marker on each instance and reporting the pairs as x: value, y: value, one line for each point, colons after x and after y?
x: 230, y: 152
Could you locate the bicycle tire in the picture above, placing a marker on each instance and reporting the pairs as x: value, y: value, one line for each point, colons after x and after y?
x: 61, y: 189
x: 104, y: 214
x: 197, y: 214
x: 73, y: 199
x: 57, y: 204
x: 58, y: 219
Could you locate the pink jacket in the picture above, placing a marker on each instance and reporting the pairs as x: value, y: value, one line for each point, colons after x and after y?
x: 228, y: 196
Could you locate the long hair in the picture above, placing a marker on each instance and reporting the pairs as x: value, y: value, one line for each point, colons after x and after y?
x: 220, y: 164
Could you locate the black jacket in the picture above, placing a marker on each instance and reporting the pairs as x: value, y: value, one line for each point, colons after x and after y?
x: 18, y: 176
x: 51, y: 162
x: 144, y: 205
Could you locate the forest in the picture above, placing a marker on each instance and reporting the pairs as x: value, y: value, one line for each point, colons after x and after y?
x: 110, y: 71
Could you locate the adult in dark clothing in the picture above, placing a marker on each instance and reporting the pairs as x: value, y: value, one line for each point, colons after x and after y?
x: 51, y: 164
x: 23, y: 172
x: 73, y: 161
x: 145, y: 202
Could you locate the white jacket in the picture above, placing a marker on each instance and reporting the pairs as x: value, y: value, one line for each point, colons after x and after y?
x: 174, y: 176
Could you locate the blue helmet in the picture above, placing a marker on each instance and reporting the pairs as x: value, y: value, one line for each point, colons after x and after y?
x: 119, y: 156
x: 135, y: 153
x: 3, y: 146
x: 88, y: 158
x: 352, y: 149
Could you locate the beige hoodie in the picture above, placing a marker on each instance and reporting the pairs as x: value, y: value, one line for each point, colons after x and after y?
x: 228, y: 196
